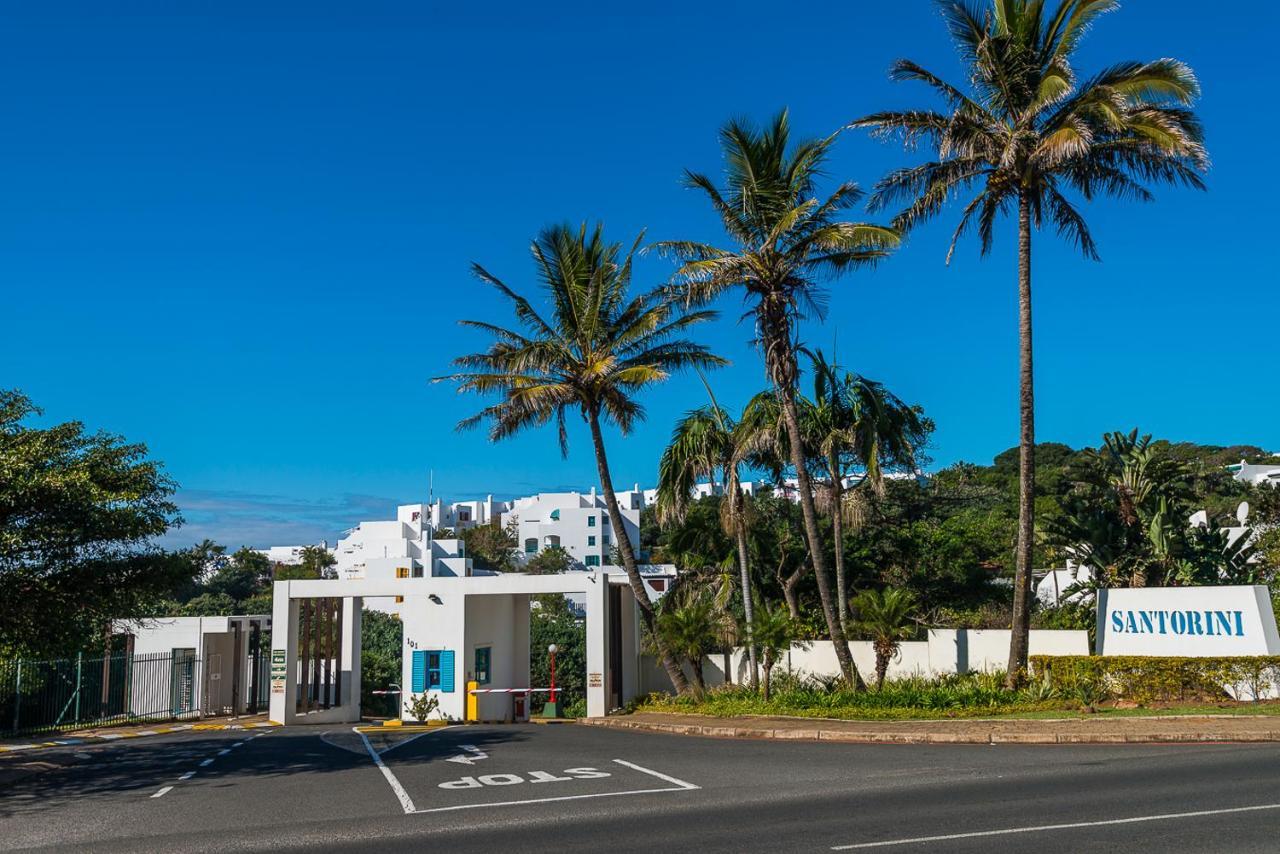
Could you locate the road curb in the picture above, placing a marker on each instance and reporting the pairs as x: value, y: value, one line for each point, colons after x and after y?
x: 851, y: 736
x: 106, y: 737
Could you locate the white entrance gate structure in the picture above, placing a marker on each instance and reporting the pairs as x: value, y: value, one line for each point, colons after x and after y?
x: 455, y: 630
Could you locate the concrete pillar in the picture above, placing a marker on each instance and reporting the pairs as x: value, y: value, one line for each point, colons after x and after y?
x: 284, y: 639
x: 352, y: 608
x: 597, y: 595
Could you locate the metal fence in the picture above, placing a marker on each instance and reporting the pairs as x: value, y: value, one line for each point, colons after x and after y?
x: 40, y: 696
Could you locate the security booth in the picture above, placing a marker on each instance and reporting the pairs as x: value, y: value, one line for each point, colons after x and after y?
x: 466, y: 644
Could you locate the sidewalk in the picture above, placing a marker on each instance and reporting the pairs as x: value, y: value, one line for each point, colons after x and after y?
x: 1103, y: 730
x: 99, y: 735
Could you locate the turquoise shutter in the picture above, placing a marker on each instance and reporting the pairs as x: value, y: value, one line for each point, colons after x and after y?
x: 419, y: 671
x: 446, y: 671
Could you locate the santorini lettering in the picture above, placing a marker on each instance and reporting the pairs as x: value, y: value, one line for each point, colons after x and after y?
x: 1187, y: 622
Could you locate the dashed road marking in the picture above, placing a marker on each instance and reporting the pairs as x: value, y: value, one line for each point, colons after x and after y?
x: 187, y: 776
x: 207, y: 762
x: 162, y: 791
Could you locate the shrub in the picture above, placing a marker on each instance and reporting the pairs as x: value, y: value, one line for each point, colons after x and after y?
x: 1147, y: 679
x: 421, y: 706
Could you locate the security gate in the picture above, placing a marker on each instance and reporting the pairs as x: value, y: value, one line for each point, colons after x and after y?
x: 319, y: 654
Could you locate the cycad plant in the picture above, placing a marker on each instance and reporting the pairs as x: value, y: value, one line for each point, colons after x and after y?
x: 783, y: 238
x: 688, y: 627
x: 593, y: 349
x: 886, y: 617
x: 774, y: 632
x: 1027, y: 130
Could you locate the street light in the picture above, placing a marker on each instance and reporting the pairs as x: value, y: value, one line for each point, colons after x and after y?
x: 552, y: 709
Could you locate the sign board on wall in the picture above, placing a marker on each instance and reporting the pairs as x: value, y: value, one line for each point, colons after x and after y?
x: 278, y: 669
x: 1187, y: 621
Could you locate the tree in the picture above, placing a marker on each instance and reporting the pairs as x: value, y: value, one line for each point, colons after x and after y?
x: 775, y: 631
x: 704, y: 444
x: 687, y: 626
x: 783, y: 238
x: 381, y: 654
x: 1027, y: 130
x: 320, y: 561
x: 886, y: 617
x: 78, y: 515
x: 552, y: 560
x: 599, y: 347
x: 856, y: 424
x: 493, y: 546
x: 241, y: 576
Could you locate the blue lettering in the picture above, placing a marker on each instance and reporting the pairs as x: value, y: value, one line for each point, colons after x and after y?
x: 1160, y: 617
x: 1117, y: 622
x: 1130, y: 624
x: 1224, y: 624
x: 1194, y: 623
x: 1178, y: 622
x: 1239, y: 623
x: 1146, y: 622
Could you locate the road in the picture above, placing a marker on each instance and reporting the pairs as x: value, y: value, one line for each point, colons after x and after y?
x: 578, y: 789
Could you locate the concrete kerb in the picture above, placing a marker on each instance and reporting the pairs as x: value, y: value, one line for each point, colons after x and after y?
x: 89, y: 739
x: 1134, y: 730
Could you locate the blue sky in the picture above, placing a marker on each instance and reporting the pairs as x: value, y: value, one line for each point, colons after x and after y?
x: 240, y: 233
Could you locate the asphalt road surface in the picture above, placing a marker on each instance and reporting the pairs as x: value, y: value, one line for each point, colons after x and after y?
x: 579, y: 789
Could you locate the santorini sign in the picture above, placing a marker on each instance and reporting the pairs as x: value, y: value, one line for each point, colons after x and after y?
x: 1191, y: 621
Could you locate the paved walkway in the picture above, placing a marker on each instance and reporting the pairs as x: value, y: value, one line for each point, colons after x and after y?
x: 1100, y: 730
x: 101, y: 734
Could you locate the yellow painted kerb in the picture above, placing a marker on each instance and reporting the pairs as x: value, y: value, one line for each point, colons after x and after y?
x: 473, y: 701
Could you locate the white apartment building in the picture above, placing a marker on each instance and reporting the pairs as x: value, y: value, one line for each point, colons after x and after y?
x: 460, y: 515
x: 290, y: 555
x: 405, y: 547
x: 577, y: 522
x: 1267, y: 473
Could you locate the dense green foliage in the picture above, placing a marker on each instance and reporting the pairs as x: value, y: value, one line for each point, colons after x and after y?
x: 492, y: 546
x: 381, y: 655
x: 553, y: 623
x: 78, y: 513
x: 1147, y: 679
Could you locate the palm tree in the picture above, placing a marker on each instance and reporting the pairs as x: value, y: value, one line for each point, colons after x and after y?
x: 687, y: 626
x: 886, y: 617
x: 705, y: 444
x: 1028, y: 129
x: 774, y: 631
x: 784, y: 237
x: 856, y: 424
x: 596, y: 350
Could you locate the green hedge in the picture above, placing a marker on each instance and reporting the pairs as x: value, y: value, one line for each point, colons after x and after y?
x: 1147, y: 679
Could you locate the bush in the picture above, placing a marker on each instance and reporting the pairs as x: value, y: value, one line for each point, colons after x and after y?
x: 1148, y: 679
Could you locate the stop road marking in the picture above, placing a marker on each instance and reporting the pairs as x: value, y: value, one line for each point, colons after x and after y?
x: 514, y: 779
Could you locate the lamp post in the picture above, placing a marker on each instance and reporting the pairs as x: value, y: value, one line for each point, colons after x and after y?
x: 552, y: 709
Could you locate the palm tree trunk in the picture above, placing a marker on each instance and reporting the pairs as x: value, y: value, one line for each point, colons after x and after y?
x: 1020, y: 634
x: 837, y: 533
x: 669, y: 662
x: 791, y: 418
x: 748, y: 606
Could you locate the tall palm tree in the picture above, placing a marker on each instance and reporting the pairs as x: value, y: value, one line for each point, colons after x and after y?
x: 705, y: 444
x: 784, y: 237
x: 855, y: 424
x: 887, y: 617
x: 598, y: 348
x: 1027, y: 129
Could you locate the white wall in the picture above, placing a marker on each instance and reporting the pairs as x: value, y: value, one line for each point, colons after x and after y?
x: 945, y: 651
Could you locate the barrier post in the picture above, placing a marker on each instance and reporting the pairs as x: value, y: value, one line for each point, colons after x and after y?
x: 473, y: 702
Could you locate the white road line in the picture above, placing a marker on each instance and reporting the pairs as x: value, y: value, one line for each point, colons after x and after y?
x: 1045, y: 827
x: 206, y: 762
x: 406, y: 803
x: 237, y: 744
x: 162, y: 791
x: 386, y: 750
x: 549, y: 800
x: 224, y: 751
x: 187, y: 776
x: 681, y: 783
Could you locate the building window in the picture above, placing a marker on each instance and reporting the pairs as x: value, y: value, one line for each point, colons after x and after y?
x: 482, y: 664
x: 591, y: 521
x: 591, y: 541
x: 464, y: 515
x: 399, y: 600
x: 531, y: 546
x: 402, y: 572
x: 658, y: 584
x: 555, y: 514
x: 432, y: 670
x: 604, y: 538
x: 592, y: 560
